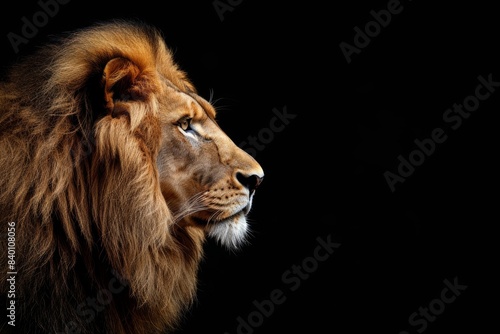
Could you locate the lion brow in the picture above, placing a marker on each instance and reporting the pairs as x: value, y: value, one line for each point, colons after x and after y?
x: 205, y: 105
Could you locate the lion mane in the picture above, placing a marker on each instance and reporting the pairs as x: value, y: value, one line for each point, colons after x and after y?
x: 96, y: 246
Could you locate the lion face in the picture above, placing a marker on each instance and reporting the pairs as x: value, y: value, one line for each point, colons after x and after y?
x: 205, y: 178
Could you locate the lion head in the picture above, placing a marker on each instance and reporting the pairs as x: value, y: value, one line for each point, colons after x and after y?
x: 113, y: 171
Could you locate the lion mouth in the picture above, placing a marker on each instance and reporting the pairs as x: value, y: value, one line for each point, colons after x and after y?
x: 211, y: 221
x: 230, y: 232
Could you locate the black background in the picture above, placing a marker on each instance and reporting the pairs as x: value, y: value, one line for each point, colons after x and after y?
x: 325, y: 169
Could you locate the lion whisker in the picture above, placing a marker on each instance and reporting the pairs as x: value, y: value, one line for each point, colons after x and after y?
x: 191, y: 206
x: 215, y: 216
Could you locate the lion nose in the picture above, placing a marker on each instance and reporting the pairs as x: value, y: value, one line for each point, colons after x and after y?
x: 251, y: 182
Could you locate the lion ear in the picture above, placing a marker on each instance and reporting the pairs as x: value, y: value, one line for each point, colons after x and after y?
x: 118, y: 77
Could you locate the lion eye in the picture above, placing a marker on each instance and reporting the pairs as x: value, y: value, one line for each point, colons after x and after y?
x: 185, y: 123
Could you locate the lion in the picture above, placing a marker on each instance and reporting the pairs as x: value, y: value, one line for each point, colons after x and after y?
x: 114, y: 173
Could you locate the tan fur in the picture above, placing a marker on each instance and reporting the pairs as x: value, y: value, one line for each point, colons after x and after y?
x: 111, y: 198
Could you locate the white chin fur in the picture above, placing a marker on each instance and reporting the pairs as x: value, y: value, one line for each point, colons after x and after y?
x: 231, y: 233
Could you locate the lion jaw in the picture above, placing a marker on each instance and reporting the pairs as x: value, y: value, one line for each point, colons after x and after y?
x: 230, y: 232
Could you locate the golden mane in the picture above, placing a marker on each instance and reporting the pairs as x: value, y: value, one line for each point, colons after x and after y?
x: 80, y: 216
